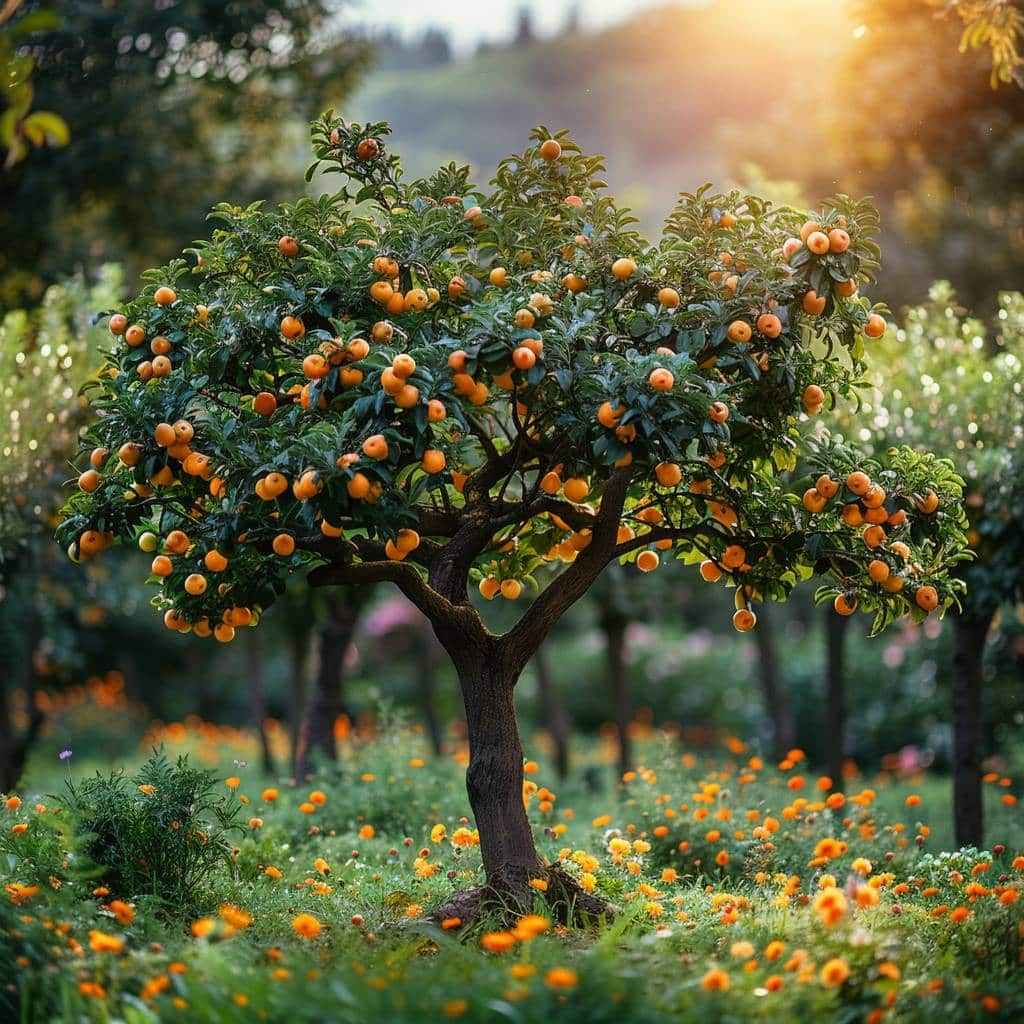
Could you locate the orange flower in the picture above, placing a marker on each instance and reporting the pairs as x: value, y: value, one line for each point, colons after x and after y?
x: 147, y: 789
x: 498, y: 942
x: 272, y: 872
x: 913, y: 800
x: 100, y: 942
x: 19, y: 893
x: 774, y: 950
x: 269, y: 795
x: 13, y: 803
x: 530, y: 926
x: 1008, y: 896
x: 121, y: 911
x: 451, y: 922
x: 561, y: 977
x: 19, y: 828
x: 233, y: 782
x: 959, y: 913
x: 318, y: 797
x: 306, y: 807
x: 716, y: 980
x: 835, y: 972
x: 203, y: 927
x: 773, y: 983
x: 306, y: 925
x: 455, y: 1008
x: 522, y: 971
x: 367, y: 832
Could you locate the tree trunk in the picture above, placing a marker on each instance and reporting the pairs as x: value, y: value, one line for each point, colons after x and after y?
x: 555, y: 715
x: 257, y: 701
x: 969, y: 632
x: 614, y: 625
x: 14, y: 749
x: 775, y: 700
x: 835, y: 695
x: 296, y: 691
x: 328, y: 700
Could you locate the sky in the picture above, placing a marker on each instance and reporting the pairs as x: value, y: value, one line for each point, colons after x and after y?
x: 469, y: 21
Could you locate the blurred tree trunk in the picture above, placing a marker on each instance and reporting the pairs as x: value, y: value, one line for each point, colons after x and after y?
x: 426, y: 685
x: 196, y: 668
x: 614, y: 623
x: 344, y: 606
x: 17, y: 635
x: 298, y: 651
x: 555, y: 715
x: 836, y: 628
x: 775, y: 699
x: 969, y: 632
x: 257, y: 699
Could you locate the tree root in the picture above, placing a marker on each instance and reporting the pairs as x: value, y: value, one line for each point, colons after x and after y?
x: 508, y: 895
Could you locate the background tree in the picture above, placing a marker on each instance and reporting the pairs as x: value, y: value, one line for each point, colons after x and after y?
x: 189, y: 99
x: 949, y: 376
x: 447, y: 386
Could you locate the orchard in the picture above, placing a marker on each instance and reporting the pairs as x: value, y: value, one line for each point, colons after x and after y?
x: 504, y: 390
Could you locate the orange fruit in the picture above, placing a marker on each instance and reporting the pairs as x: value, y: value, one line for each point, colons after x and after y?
x: 164, y: 296
x: 177, y: 542
x: 858, y: 482
x: 845, y: 289
x: 576, y: 489
x: 838, y: 240
x: 809, y: 226
x: 813, y: 396
x: 264, y: 403
x: 826, y: 486
x: 926, y: 598
x: 878, y: 570
x: 408, y: 397
x: 511, y: 589
x: 817, y: 242
x: 874, y: 536
x: 288, y: 246
x: 710, y: 572
x: 489, y: 587
x: 661, y: 380
x: 647, y: 561
x: 161, y: 366
x: 292, y: 328
x: 283, y: 544
x: 812, y: 304
x: 718, y: 412
x: 928, y: 503
x: 668, y: 474
x: 358, y: 487
x: 376, y: 447
x: 550, y: 150
x: 769, y: 325
x: 845, y: 605
x: 739, y: 331
x: 733, y: 556
x: 623, y: 268
x: 223, y: 633
x: 161, y: 566
x: 89, y: 480
x: 129, y: 454
x: 874, y: 497
x: 135, y: 335
x: 523, y: 358
x: 498, y: 277
x: 551, y: 483
x: 195, y: 584
x: 118, y: 323
x: 315, y: 367
x: 875, y: 327
x: 215, y: 561
x: 813, y: 500
x: 433, y: 460
x: 744, y: 620
x: 668, y: 297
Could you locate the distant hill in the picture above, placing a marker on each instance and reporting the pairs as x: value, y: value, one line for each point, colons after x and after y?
x: 673, y: 97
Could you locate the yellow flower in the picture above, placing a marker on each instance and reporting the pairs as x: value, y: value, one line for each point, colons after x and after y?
x: 147, y: 789
x: 438, y: 834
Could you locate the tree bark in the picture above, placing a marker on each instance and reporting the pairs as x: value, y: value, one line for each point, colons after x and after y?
x: 14, y: 749
x: 555, y: 715
x: 776, y: 703
x: 835, y: 695
x: 614, y: 624
x: 258, y: 702
x: 344, y: 606
x: 969, y: 632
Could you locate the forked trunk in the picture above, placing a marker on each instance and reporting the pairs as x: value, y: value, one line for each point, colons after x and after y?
x: 835, y: 695
x: 969, y: 632
x: 776, y: 703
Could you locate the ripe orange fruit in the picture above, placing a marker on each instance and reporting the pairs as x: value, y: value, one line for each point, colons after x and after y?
x: 489, y: 587
x: 744, y: 620
x: 845, y: 605
x: 129, y: 453
x: 813, y: 500
x: 826, y: 486
x: 733, y: 556
x: 894, y: 584
x: 160, y: 345
x: 845, y: 289
x: 315, y: 367
x: 710, y: 572
x: 498, y: 277
x: 623, y: 268
x: 838, y: 240
x: 858, y: 482
x: 661, y: 380
x: 739, y: 331
x: 576, y: 489
x: 874, y: 536
x: 135, y: 335
x: 817, y: 242
x: 927, y: 598
x: 118, y: 323
x: 901, y: 549
x: 358, y: 487
x: 288, y: 246
x: 89, y: 480
x: 97, y: 457
x: 376, y: 447
x: 928, y: 503
x: 523, y: 358
x: 809, y: 226
x: 408, y: 397
x: 264, y: 403
x: 215, y: 561
x: 550, y: 150
x: 161, y: 366
x: 436, y: 412
x: 145, y: 370
x: 457, y: 361
x: 511, y: 589
x: 875, y: 327
x: 878, y: 570
x: 668, y: 297
x: 292, y: 328
x: 283, y: 544
x: 609, y: 415
x: 647, y: 561
x: 415, y: 300
x: 874, y: 497
x: 813, y: 396
x: 307, y: 486
x: 551, y: 483
x: 161, y: 566
x: 164, y: 296
x: 195, y: 584
x: 223, y: 633
x: 790, y: 246
x: 718, y: 412
x: 433, y: 460
x: 668, y: 474
x: 813, y: 305
x: 177, y: 542
x: 769, y: 325
x: 368, y: 149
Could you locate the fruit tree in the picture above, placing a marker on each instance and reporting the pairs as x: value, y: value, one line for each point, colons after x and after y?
x: 449, y: 388
x: 951, y: 377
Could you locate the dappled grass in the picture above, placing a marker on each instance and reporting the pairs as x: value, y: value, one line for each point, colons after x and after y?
x: 746, y: 891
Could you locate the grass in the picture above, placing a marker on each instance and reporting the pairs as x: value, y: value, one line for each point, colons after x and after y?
x: 711, y: 860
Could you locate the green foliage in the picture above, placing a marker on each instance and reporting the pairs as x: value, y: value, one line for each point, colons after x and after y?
x: 482, y: 273
x: 158, y: 833
x: 997, y: 24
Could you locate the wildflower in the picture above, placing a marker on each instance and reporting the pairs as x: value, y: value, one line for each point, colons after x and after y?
x: 913, y: 800
x: 271, y: 872
x: 177, y: 967
x: 867, y: 896
x: 100, y: 942
x: 121, y: 911
x: 306, y: 925
x: 539, y: 884
x: 774, y: 950
x: 722, y: 858
x: 889, y: 970
x: 322, y: 866
x: 669, y: 875
x: 522, y: 971
x: 268, y: 796
x: 862, y: 866
x: 604, y: 819
x: 240, y: 999
x: 774, y: 982
x: 318, y: 797
x: 451, y: 922
x: 147, y: 789
x: 367, y: 832
x: 154, y: 987
x: 830, y: 905
x: 742, y: 950
x: 530, y: 926
x: 438, y: 834
x: 306, y: 807
x: 236, y: 917
x: 20, y: 893
x: 203, y: 927
x: 498, y: 942
x: 588, y: 881
x: 13, y: 803
x: 91, y: 989
x: 19, y: 828
x: 1008, y: 896
x: 465, y: 837
x: 835, y: 972
x: 455, y: 1008
x: 716, y: 980
x: 959, y: 914
x: 561, y: 977
x: 233, y: 782
x: 64, y: 754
